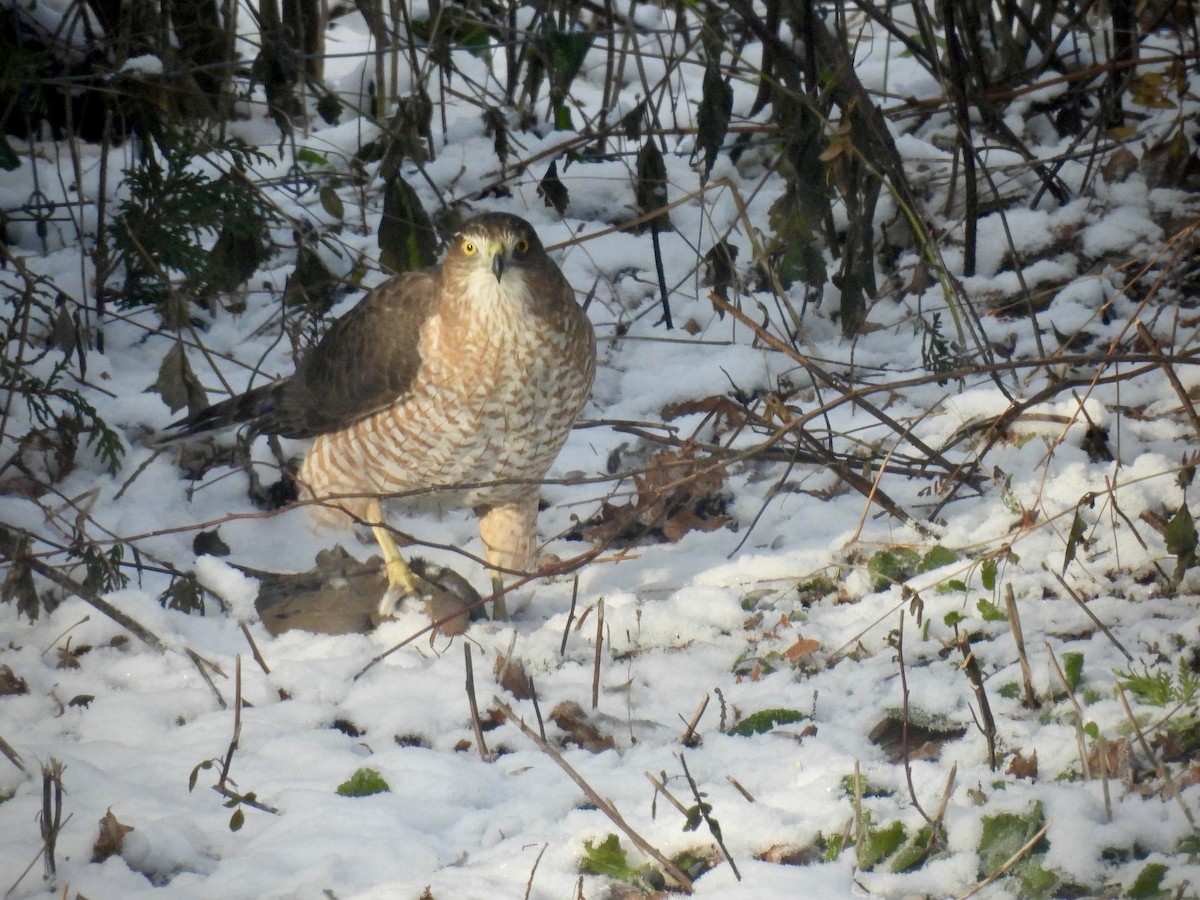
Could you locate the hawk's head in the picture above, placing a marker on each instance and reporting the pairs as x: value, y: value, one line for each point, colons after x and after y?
x: 497, y: 243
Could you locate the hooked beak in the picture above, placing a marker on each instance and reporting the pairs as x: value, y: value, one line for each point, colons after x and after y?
x: 498, y: 260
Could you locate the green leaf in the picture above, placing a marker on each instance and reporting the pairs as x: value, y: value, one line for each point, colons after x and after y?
x: 1004, y: 834
x: 880, y: 843
x: 608, y: 859
x: 1180, y: 534
x: 765, y: 720
x: 990, y: 611
x: 363, y: 783
x: 237, y: 820
x: 1074, y: 540
x: 953, y: 618
x: 1148, y: 884
x: 936, y: 557
x: 888, y: 567
x: 912, y: 853
x: 1073, y: 668
x: 987, y: 572
x: 311, y: 157
x: 207, y: 764
x: 1010, y: 691
x: 407, y: 240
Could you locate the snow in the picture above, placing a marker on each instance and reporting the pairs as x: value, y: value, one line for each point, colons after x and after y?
x: 709, y: 616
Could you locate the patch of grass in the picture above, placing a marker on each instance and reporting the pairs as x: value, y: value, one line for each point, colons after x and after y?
x: 363, y: 783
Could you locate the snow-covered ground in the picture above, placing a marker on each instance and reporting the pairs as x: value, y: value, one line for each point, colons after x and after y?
x: 781, y: 609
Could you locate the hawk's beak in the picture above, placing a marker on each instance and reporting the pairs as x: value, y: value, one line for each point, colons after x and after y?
x: 497, y: 259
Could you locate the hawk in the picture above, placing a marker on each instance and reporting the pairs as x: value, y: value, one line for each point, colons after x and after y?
x: 454, y: 386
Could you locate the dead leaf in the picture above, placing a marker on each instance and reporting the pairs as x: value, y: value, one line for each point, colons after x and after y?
x: 570, y: 717
x: 1118, y: 759
x: 802, y: 649
x: 11, y: 683
x: 676, y: 493
x: 1022, y: 766
x: 111, y: 838
x: 511, y: 675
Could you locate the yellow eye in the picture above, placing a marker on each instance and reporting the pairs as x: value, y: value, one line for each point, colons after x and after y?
x: 522, y: 245
x: 469, y: 248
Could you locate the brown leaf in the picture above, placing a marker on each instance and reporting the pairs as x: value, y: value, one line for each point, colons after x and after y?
x: 1119, y: 166
x: 802, y: 649
x: 571, y: 718
x: 1118, y: 758
x: 111, y: 838
x: 11, y: 683
x: 177, y: 384
x: 1023, y: 766
x: 511, y: 675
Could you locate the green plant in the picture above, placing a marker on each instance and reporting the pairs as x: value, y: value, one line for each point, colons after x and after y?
x: 172, y: 209
x: 1161, y: 688
x: 363, y: 783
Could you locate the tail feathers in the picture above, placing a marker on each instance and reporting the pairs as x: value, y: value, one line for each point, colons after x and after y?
x: 253, y: 408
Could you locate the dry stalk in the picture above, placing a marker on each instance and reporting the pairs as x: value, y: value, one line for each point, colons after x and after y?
x: 1014, y: 622
x: 50, y: 819
x: 604, y: 806
x: 688, y: 738
x: 1102, y: 744
x: 12, y: 755
x: 740, y: 789
x: 986, y: 723
x: 475, y: 723
x: 599, y: 650
x: 258, y: 657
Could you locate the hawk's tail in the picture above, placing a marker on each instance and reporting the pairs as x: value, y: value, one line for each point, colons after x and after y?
x: 253, y: 407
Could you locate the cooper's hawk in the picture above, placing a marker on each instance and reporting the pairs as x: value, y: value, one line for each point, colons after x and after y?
x: 453, y: 386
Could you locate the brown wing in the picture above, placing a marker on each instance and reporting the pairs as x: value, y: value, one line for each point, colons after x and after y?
x: 365, y: 362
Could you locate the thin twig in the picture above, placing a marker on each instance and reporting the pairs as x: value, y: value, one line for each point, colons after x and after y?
x: 912, y: 791
x: 597, y: 657
x: 475, y: 723
x: 1091, y: 615
x: 714, y: 827
x: 670, y: 798
x: 258, y: 657
x: 604, y: 806
x: 1008, y: 863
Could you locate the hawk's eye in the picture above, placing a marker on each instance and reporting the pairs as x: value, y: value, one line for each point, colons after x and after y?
x: 522, y: 246
x: 469, y: 248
